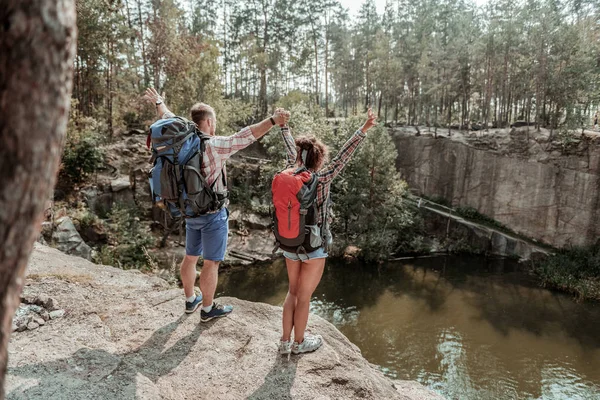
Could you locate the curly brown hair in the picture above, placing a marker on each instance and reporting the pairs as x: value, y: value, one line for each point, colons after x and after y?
x: 317, y: 153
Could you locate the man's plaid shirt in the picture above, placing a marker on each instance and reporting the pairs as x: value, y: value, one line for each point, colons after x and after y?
x: 218, y: 150
x: 327, y: 173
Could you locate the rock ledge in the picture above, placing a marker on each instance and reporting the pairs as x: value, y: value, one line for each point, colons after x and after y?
x: 124, y: 336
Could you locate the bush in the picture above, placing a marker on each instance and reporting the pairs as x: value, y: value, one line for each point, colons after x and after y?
x: 129, y: 240
x: 575, y: 270
x: 474, y: 215
x: 82, y: 155
x: 439, y: 200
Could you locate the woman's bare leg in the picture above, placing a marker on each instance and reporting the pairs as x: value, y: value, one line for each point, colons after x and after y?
x: 311, y: 272
x: 293, y: 269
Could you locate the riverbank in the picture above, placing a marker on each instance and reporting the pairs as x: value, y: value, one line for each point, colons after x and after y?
x: 575, y: 270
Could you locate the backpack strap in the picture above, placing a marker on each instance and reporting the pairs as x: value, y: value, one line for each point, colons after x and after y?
x: 222, y: 176
x: 300, y: 170
x: 202, y: 178
x: 169, y: 147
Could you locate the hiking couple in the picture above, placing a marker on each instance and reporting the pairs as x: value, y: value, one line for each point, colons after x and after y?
x: 191, y: 153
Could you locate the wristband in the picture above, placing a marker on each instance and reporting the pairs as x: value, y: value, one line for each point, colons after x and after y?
x: 272, y: 121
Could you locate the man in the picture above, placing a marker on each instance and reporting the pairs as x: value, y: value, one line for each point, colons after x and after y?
x: 206, y: 235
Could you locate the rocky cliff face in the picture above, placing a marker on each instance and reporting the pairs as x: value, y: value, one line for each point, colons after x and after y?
x: 123, y: 335
x: 530, y: 183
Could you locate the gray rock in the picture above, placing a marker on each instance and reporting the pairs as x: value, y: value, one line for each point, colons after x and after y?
x: 14, y: 327
x: 119, y: 184
x: 47, y: 228
x: 40, y: 321
x: 141, y: 188
x: 51, y: 304
x: 32, y: 326
x: 255, y: 221
x: 44, y: 301
x: 35, y: 308
x: 41, y: 300
x: 68, y: 240
x: 57, y: 314
x: 45, y: 315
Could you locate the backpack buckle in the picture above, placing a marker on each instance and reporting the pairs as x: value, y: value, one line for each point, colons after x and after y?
x: 275, y: 248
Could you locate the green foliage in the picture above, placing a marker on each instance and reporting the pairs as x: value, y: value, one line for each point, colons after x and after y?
x: 367, y: 207
x: 129, y: 240
x: 86, y: 219
x: 368, y: 197
x: 439, y: 200
x: 82, y: 155
x: 576, y: 270
x: 474, y: 215
x: 292, y: 99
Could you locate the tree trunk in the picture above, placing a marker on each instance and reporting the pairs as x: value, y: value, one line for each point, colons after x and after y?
x: 316, y: 48
x: 37, y: 43
x: 144, y: 60
x: 327, y: 72
x: 262, y: 99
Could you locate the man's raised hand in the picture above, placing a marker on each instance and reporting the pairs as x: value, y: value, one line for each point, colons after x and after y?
x: 370, y: 122
x: 152, y: 96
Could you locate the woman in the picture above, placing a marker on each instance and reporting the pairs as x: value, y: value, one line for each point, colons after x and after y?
x: 305, y: 269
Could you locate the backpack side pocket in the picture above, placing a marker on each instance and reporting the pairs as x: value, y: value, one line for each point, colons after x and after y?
x: 168, y: 182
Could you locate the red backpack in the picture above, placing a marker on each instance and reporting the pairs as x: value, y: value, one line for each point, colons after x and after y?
x: 295, y: 217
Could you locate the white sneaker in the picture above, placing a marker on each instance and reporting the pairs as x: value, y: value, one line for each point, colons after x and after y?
x: 285, y: 347
x: 310, y: 343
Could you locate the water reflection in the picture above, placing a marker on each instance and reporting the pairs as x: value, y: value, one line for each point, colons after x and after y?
x: 469, y: 328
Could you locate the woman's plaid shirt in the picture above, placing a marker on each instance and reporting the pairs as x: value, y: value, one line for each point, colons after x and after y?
x: 326, y: 174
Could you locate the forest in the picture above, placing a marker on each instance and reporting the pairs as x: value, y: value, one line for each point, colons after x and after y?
x: 436, y: 63
x: 422, y: 62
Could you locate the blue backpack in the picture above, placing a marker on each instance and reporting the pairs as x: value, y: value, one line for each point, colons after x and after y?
x: 176, y: 180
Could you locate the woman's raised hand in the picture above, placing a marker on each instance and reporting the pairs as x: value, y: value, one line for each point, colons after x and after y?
x: 281, y: 116
x: 370, y: 122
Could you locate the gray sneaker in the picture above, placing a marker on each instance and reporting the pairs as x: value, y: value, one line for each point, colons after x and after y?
x: 310, y: 343
x: 285, y: 347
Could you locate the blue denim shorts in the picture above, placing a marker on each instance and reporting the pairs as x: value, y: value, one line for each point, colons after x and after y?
x: 206, y: 235
x: 319, y: 253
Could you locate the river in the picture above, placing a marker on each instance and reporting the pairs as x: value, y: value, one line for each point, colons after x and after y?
x: 466, y: 327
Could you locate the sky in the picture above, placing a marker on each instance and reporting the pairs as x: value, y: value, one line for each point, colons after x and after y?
x: 354, y: 5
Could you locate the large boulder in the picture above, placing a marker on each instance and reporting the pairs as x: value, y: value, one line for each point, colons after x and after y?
x: 67, y: 239
x: 98, y: 201
x: 141, y: 189
x: 124, y: 336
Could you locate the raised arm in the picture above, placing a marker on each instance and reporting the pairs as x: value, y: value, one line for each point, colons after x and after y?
x: 290, y: 146
x: 341, y: 159
x: 161, y: 108
x: 227, y: 146
x: 280, y: 117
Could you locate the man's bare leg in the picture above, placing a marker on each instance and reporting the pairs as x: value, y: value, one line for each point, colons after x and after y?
x: 188, y: 274
x: 208, y: 281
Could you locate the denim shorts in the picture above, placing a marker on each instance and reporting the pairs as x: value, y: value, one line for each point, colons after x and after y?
x: 319, y: 253
x: 206, y: 235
